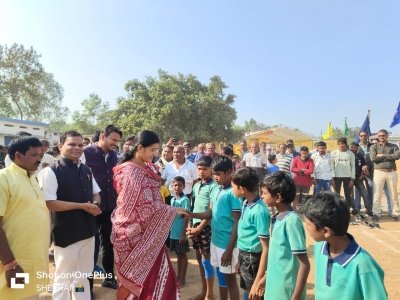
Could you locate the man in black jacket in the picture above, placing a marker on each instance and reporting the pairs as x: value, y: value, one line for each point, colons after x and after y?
x: 72, y: 195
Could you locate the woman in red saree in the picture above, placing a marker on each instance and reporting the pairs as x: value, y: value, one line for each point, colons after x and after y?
x: 141, y: 224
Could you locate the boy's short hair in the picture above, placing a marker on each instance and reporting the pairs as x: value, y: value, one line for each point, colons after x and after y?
x: 246, y: 177
x: 280, y: 183
x: 342, y: 140
x: 227, y: 151
x: 204, y: 161
x: 304, y: 148
x: 321, y: 144
x: 328, y: 209
x: 271, y: 158
x: 179, y: 179
x: 221, y: 163
x: 355, y: 144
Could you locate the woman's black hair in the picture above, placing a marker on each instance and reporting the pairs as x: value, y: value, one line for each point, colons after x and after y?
x: 145, y: 138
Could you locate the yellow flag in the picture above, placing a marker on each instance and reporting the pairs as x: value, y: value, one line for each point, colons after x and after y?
x: 329, y: 132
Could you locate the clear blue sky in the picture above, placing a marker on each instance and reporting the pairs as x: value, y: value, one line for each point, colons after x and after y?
x: 300, y: 63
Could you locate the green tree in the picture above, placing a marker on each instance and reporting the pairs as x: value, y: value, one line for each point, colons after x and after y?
x: 95, y: 115
x: 352, y: 133
x: 178, y: 106
x: 27, y: 90
x: 253, y: 125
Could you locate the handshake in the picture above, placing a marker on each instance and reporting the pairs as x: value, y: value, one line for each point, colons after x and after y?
x: 184, y: 213
x: 190, y: 231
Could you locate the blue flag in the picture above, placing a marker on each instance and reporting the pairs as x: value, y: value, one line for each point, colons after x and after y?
x: 396, y: 117
x: 364, y: 128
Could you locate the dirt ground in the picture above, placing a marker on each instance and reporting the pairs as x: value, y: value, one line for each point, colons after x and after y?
x: 383, y: 244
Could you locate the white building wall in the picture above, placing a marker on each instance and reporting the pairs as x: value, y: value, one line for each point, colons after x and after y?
x: 10, y: 127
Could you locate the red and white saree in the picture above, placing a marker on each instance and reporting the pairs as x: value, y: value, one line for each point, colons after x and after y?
x: 141, y: 224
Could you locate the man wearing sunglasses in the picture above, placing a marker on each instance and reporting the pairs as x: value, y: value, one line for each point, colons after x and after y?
x: 384, y: 156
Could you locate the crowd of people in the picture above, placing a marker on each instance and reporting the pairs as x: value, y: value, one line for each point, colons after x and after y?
x: 243, y: 214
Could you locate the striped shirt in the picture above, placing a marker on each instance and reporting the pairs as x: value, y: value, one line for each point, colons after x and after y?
x: 284, y: 161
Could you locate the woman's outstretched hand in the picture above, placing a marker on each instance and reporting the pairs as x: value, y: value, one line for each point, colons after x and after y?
x: 183, y: 212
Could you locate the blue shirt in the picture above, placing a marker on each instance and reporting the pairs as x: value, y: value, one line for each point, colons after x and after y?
x: 202, y: 192
x: 179, y: 222
x: 288, y: 239
x: 191, y: 157
x: 253, y: 225
x: 272, y: 169
x: 224, y: 203
x: 352, y: 275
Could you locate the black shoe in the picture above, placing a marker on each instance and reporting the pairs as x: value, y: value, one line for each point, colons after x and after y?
x: 369, y: 213
x: 375, y: 218
x: 395, y: 218
x: 366, y: 224
x: 376, y: 225
x: 110, y: 283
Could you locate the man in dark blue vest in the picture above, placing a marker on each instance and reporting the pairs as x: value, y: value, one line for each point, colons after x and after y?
x: 101, y: 159
x: 72, y: 195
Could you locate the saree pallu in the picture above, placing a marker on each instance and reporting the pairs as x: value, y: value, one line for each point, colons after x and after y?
x: 141, y: 224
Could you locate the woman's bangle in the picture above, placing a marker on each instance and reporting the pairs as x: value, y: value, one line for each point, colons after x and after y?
x: 11, y: 265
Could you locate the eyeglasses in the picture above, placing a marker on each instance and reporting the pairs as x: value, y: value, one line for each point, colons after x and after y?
x: 381, y: 135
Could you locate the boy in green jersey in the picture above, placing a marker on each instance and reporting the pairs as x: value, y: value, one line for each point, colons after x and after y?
x: 288, y: 264
x: 224, y: 213
x: 200, y: 233
x: 342, y: 268
x: 253, y: 233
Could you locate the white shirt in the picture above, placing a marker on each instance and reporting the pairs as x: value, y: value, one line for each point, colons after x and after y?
x: 7, y: 160
x: 323, y: 166
x: 49, y: 184
x: 255, y: 160
x: 188, y: 171
x: 46, y: 159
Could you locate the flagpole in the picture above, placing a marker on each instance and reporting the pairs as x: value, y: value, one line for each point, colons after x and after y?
x: 369, y: 119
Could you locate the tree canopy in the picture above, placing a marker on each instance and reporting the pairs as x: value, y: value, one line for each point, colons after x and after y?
x: 27, y: 91
x: 253, y: 125
x: 95, y: 115
x: 177, y: 106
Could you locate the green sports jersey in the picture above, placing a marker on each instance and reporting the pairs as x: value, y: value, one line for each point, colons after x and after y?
x: 288, y: 238
x: 202, y: 192
x: 179, y: 222
x: 352, y: 275
x: 224, y: 203
x: 253, y: 224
